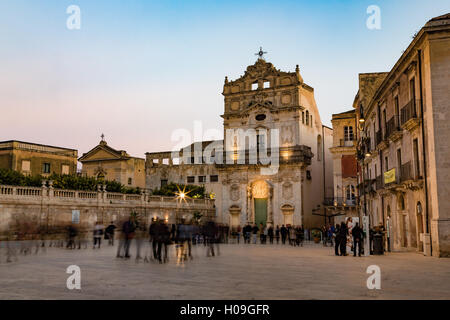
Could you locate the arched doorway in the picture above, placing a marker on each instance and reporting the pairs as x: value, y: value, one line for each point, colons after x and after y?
x: 388, y: 227
x: 288, y: 214
x: 402, y: 220
x: 420, y: 229
x: 260, y: 193
x: 235, y: 215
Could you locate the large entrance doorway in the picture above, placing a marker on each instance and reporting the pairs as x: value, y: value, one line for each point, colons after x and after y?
x: 260, y: 193
x: 260, y: 211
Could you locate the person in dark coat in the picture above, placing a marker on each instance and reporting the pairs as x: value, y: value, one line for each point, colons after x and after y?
x: 128, y: 229
x: 277, y: 234
x: 343, y: 233
x: 109, y: 233
x: 284, y: 232
x: 337, y: 240
x: 270, y: 234
x: 357, y: 234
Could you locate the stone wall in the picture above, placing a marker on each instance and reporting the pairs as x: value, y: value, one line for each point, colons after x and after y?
x: 52, y: 207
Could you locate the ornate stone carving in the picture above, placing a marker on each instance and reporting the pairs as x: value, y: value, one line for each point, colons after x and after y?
x: 234, y: 192
x: 260, y: 190
x: 287, y: 190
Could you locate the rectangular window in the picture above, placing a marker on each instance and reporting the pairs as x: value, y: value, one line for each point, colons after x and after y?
x: 202, y: 179
x: 26, y: 166
x: 130, y: 181
x: 416, y: 157
x: 65, y: 169
x: 163, y: 183
x: 266, y: 84
x: 214, y: 178
x: 348, y: 133
x: 190, y: 179
x: 386, y: 162
x: 399, y: 159
x: 46, y: 168
x: 303, y: 117
x: 255, y: 86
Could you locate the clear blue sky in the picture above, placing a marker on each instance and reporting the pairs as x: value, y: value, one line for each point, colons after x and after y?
x: 138, y: 70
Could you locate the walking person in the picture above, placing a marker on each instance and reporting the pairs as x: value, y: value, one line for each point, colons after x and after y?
x: 255, y: 233
x: 277, y: 234
x: 270, y: 234
x: 284, y: 232
x: 357, y: 234
x: 343, y: 233
x: 98, y: 232
x: 292, y: 236
x: 337, y: 240
x: 128, y: 228
x: 238, y: 233
x: 109, y: 233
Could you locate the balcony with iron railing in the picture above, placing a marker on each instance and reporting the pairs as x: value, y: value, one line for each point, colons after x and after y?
x: 392, y: 126
x: 409, y: 111
x: 406, y: 172
x: 339, y: 202
x: 379, y: 183
x: 347, y: 143
x: 379, y: 137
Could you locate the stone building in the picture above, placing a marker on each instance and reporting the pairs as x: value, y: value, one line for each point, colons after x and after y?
x: 344, y: 202
x: 104, y: 162
x: 265, y: 109
x: 37, y: 159
x: 404, y: 146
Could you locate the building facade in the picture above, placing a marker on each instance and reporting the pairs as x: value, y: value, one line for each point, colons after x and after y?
x: 104, y: 162
x: 37, y: 159
x: 345, y: 200
x: 263, y: 109
x: 404, y: 146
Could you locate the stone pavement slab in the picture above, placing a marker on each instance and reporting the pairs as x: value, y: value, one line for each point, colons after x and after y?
x: 239, y: 272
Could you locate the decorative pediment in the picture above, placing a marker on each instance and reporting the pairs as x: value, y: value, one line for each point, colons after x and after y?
x: 104, y: 152
x: 261, y: 70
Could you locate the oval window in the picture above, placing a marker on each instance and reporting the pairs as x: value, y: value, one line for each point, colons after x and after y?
x: 260, y: 117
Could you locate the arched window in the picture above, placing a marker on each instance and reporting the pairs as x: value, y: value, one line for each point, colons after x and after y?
x: 319, y: 147
x: 350, y: 193
x: 307, y: 117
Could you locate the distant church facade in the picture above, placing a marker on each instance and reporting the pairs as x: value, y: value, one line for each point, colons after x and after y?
x: 273, y: 166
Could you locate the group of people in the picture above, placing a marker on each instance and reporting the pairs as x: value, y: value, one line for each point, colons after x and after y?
x: 294, y: 235
x: 341, y: 233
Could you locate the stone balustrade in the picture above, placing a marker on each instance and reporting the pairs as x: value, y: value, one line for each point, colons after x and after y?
x: 53, y: 206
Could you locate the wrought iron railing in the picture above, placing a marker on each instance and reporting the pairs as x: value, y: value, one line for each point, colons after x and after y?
x: 409, y: 111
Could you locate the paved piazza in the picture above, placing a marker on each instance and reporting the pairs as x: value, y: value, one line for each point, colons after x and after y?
x: 240, y: 272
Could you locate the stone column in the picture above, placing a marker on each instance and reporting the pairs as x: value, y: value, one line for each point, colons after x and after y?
x: 249, y: 198
x: 270, y: 207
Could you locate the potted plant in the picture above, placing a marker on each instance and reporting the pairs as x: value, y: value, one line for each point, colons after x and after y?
x: 315, y: 233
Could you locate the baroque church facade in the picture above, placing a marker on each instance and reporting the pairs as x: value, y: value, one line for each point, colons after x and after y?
x: 263, y: 109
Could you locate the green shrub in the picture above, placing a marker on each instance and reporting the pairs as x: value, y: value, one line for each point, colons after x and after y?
x: 67, y: 182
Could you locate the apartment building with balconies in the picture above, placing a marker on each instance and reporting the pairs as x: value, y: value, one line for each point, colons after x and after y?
x: 403, y: 144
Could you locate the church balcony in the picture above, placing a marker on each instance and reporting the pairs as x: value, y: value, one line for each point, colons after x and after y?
x: 285, y: 155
